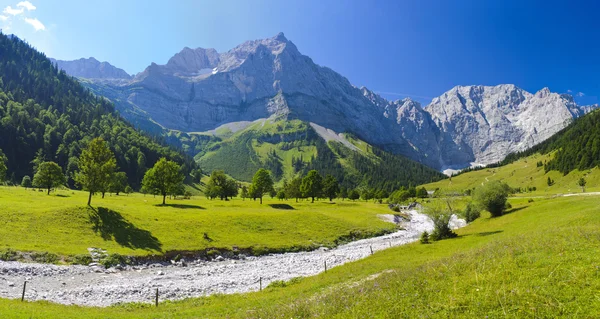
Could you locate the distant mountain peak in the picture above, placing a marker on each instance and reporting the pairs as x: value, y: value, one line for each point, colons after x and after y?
x: 91, y: 68
x: 280, y: 37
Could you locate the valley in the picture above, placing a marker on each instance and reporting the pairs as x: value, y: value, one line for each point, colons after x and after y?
x: 380, y: 165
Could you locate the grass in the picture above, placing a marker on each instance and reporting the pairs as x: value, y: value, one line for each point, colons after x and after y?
x: 137, y: 225
x: 542, y: 260
x: 523, y: 173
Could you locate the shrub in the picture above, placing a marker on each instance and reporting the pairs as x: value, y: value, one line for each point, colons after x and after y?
x: 282, y: 283
x: 44, y: 257
x: 113, y: 260
x: 8, y: 255
x: 441, y: 222
x: 424, y: 238
x: 472, y: 212
x: 82, y: 259
x: 530, y: 200
x: 492, y: 196
x: 213, y: 253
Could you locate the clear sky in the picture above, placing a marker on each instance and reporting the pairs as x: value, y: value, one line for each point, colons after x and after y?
x: 403, y: 48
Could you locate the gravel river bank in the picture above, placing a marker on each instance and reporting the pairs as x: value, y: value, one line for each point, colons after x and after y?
x: 96, y: 286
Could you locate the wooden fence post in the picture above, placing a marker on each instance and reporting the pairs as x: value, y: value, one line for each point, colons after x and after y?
x: 23, y: 295
x: 156, y: 298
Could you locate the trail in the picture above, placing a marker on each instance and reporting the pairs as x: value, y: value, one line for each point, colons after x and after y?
x: 93, y: 286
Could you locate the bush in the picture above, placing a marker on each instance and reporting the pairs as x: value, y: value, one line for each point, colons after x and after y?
x: 530, y: 200
x: 44, y: 257
x: 441, y: 222
x: 113, y: 260
x: 8, y: 255
x: 471, y: 212
x: 213, y: 253
x: 282, y: 284
x: 424, y: 238
x: 492, y: 196
x: 82, y: 259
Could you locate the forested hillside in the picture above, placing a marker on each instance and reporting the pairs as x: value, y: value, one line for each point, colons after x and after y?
x: 290, y: 148
x: 46, y: 115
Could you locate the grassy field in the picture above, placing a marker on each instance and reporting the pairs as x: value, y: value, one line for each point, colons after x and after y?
x: 137, y: 225
x: 523, y: 173
x: 541, y: 260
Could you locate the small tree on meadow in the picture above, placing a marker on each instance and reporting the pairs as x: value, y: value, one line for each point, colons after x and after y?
x: 492, y: 196
x: 244, y: 192
x: 48, y: 176
x: 582, y: 182
x: 353, y: 194
x: 330, y: 187
x: 343, y: 194
x: 293, y: 188
x: 118, y: 183
x: 281, y: 194
x: 312, y: 185
x: 164, y: 178
x: 128, y: 190
x: 97, y: 165
x: 26, y: 181
x: 262, y: 183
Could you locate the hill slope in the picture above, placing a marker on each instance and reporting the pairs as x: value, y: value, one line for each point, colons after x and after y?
x: 291, y: 148
x: 48, y: 115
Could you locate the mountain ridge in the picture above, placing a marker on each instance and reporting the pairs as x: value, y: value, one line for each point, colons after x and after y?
x: 201, y: 89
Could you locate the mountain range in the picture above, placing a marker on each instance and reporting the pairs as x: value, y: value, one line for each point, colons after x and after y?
x: 199, y: 90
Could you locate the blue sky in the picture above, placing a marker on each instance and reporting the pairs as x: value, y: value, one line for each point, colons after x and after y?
x: 405, y: 48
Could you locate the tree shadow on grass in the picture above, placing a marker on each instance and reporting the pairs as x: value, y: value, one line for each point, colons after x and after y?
x: 111, y: 225
x: 488, y: 233
x: 513, y: 210
x: 180, y: 206
x: 281, y: 206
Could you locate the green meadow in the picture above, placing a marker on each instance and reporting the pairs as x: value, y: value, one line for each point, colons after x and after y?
x: 137, y: 225
x: 539, y: 260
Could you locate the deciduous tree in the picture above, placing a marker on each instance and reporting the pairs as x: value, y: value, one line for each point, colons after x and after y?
x: 97, y: 164
x: 164, y: 178
x: 262, y: 183
x: 312, y: 185
x: 330, y: 187
x: 48, y: 176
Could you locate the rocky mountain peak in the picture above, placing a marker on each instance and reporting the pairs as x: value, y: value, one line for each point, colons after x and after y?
x: 193, y: 61
x: 91, y: 68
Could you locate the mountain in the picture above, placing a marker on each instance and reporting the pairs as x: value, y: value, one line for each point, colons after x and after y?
x: 200, y: 89
x: 49, y: 116
x: 92, y: 69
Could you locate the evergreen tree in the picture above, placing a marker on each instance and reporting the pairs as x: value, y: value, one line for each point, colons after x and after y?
x: 164, y: 178
x: 312, y: 185
x: 48, y: 176
x: 262, y: 183
x: 330, y: 187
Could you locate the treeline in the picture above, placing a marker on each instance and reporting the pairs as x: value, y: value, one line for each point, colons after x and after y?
x: 312, y: 186
x: 46, y: 115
